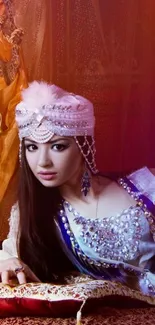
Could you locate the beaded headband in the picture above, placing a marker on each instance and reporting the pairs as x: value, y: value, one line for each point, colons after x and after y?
x: 46, y: 110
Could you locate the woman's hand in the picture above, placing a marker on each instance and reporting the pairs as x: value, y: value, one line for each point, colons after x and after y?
x: 13, y: 267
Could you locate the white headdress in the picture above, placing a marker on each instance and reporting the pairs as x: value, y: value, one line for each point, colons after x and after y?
x: 46, y: 110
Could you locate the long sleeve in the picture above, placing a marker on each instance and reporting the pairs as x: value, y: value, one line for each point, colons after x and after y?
x: 9, y: 246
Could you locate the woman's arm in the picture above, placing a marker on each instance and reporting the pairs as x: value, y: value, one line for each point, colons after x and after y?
x: 10, y: 264
x: 9, y: 246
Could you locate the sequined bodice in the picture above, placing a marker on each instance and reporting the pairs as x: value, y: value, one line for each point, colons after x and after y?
x: 116, y: 237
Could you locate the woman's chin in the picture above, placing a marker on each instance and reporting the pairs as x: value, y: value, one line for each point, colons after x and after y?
x: 48, y: 183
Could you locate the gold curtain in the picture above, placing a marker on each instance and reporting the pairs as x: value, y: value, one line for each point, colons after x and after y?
x: 105, y: 51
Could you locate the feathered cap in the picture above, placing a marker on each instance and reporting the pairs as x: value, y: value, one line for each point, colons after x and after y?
x: 46, y: 110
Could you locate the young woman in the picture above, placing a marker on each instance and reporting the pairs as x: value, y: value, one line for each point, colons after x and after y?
x: 68, y: 216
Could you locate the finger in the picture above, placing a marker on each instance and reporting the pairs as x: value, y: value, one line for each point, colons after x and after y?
x: 21, y: 277
x: 5, y: 277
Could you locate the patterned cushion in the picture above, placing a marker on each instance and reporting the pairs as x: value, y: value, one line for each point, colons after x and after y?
x: 33, y: 299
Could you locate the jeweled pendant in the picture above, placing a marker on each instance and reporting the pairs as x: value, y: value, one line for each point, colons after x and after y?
x: 85, y: 183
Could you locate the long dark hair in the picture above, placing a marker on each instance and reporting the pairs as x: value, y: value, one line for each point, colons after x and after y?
x: 38, y: 244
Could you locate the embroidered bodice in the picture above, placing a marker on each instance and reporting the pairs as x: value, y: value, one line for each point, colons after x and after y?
x: 124, y: 237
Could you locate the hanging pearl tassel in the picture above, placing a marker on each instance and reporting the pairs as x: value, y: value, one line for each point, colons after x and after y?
x: 79, y: 314
x: 90, y: 150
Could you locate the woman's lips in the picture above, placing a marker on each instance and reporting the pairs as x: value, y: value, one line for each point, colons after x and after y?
x: 47, y: 176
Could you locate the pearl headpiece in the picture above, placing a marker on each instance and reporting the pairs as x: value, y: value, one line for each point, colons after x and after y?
x: 47, y: 109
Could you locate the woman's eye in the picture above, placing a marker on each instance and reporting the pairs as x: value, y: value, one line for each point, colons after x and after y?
x: 31, y: 147
x: 59, y: 147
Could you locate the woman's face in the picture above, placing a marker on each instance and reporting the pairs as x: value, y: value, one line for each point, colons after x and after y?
x: 54, y: 163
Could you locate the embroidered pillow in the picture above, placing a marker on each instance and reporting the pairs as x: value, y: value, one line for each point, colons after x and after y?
x: 33, y: 299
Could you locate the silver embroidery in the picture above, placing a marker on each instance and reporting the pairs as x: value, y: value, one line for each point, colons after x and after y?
x: 114, y: 238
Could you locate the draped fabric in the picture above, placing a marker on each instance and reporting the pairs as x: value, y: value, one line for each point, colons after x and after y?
x: 12, y: 80
x: 105, y: 51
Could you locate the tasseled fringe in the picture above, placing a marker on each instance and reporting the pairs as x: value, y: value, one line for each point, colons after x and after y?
x: 79, y: 314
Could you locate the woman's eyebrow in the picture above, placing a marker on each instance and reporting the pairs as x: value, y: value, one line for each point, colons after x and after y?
x: 50, y: 141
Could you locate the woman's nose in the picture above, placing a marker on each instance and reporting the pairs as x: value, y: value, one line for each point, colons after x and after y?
x: 44, y: 159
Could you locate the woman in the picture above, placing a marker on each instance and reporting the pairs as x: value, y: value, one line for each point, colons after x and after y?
x: 68, y: 216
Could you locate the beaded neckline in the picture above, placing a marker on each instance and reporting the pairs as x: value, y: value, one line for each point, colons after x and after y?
x: 70, y: 208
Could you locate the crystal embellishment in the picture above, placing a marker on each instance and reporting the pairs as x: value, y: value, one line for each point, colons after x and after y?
x: 115, y: 238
